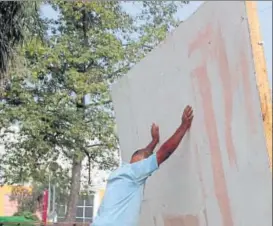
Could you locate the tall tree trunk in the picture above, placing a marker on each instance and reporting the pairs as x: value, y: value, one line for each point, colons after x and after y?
x: 77, y: 164
x: 74, y: 190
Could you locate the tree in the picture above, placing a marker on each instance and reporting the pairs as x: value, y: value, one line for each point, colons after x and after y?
x: 11, y: 14
x: 61, y: 103
x: 16, y: 19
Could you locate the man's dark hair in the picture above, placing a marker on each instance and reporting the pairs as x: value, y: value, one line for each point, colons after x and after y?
x: 143, y: 152
x: 137, y: 152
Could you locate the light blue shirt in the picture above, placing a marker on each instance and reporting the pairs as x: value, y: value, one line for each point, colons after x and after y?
x: 124, y: 193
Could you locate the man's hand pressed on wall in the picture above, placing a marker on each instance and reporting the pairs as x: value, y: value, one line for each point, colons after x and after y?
x: 155, y: 132
x: 187, y: 117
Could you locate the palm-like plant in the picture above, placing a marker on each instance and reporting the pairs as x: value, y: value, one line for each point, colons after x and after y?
x: 19, y: 20
x: 11, y: 14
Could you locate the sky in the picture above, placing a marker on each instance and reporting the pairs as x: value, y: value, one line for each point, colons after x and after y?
x: 265, y: 17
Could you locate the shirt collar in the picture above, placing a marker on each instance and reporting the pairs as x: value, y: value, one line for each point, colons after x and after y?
x: 123, y: 163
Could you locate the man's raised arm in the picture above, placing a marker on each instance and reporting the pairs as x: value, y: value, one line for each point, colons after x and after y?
x: 155, y: 139
x: 172, y: 143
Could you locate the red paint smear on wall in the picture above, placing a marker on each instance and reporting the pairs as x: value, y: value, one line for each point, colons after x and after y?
x: 201, y: 77
x: 212, y: 44
x: 204, y: 40
x: 197, y: 156
x: 199, y: 170
x: 228, y: 89
x: 220, y: 186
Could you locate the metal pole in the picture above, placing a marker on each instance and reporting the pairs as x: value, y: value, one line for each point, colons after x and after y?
x: 54, y: 199
x: 49, y: 194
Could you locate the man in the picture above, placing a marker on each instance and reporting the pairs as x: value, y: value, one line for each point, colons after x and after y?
x: 124, y: 192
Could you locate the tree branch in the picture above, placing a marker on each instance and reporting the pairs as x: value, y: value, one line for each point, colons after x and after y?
x: 95, y: 145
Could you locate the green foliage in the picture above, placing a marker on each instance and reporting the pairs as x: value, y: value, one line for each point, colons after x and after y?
x: 29, y: 200
x: 11, y: 14
x: 17, y: 20
x: 27, y: 215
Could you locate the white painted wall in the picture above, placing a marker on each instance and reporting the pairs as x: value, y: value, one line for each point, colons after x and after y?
x: 220, y: 174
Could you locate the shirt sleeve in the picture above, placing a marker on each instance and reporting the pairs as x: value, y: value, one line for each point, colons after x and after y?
x: 144, y: 168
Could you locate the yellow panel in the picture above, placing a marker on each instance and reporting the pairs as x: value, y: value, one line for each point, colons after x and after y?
x: 101, y: 194
x: 4, y: 190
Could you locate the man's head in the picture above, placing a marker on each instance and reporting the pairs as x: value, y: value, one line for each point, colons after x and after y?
x: 146, y: 152
x: 140, y: 155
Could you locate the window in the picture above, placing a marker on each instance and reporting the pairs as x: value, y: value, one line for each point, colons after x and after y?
x: 84, y: 211
x: 61, y: 211
x: 89, y: 212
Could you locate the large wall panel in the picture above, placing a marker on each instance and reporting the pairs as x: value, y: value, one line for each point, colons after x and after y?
x: 220, y: 174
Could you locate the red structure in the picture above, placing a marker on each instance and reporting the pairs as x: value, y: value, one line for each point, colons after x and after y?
x: 45, y: 206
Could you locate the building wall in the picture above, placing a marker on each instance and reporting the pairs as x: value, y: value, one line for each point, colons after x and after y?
x: 220, y: 174
x: 7, y: 207
x: 97, y: 200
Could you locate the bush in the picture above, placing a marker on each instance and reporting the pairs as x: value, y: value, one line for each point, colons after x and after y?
x: 27, y: 215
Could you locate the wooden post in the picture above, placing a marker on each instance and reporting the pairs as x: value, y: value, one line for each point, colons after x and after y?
x: 261, y: 73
